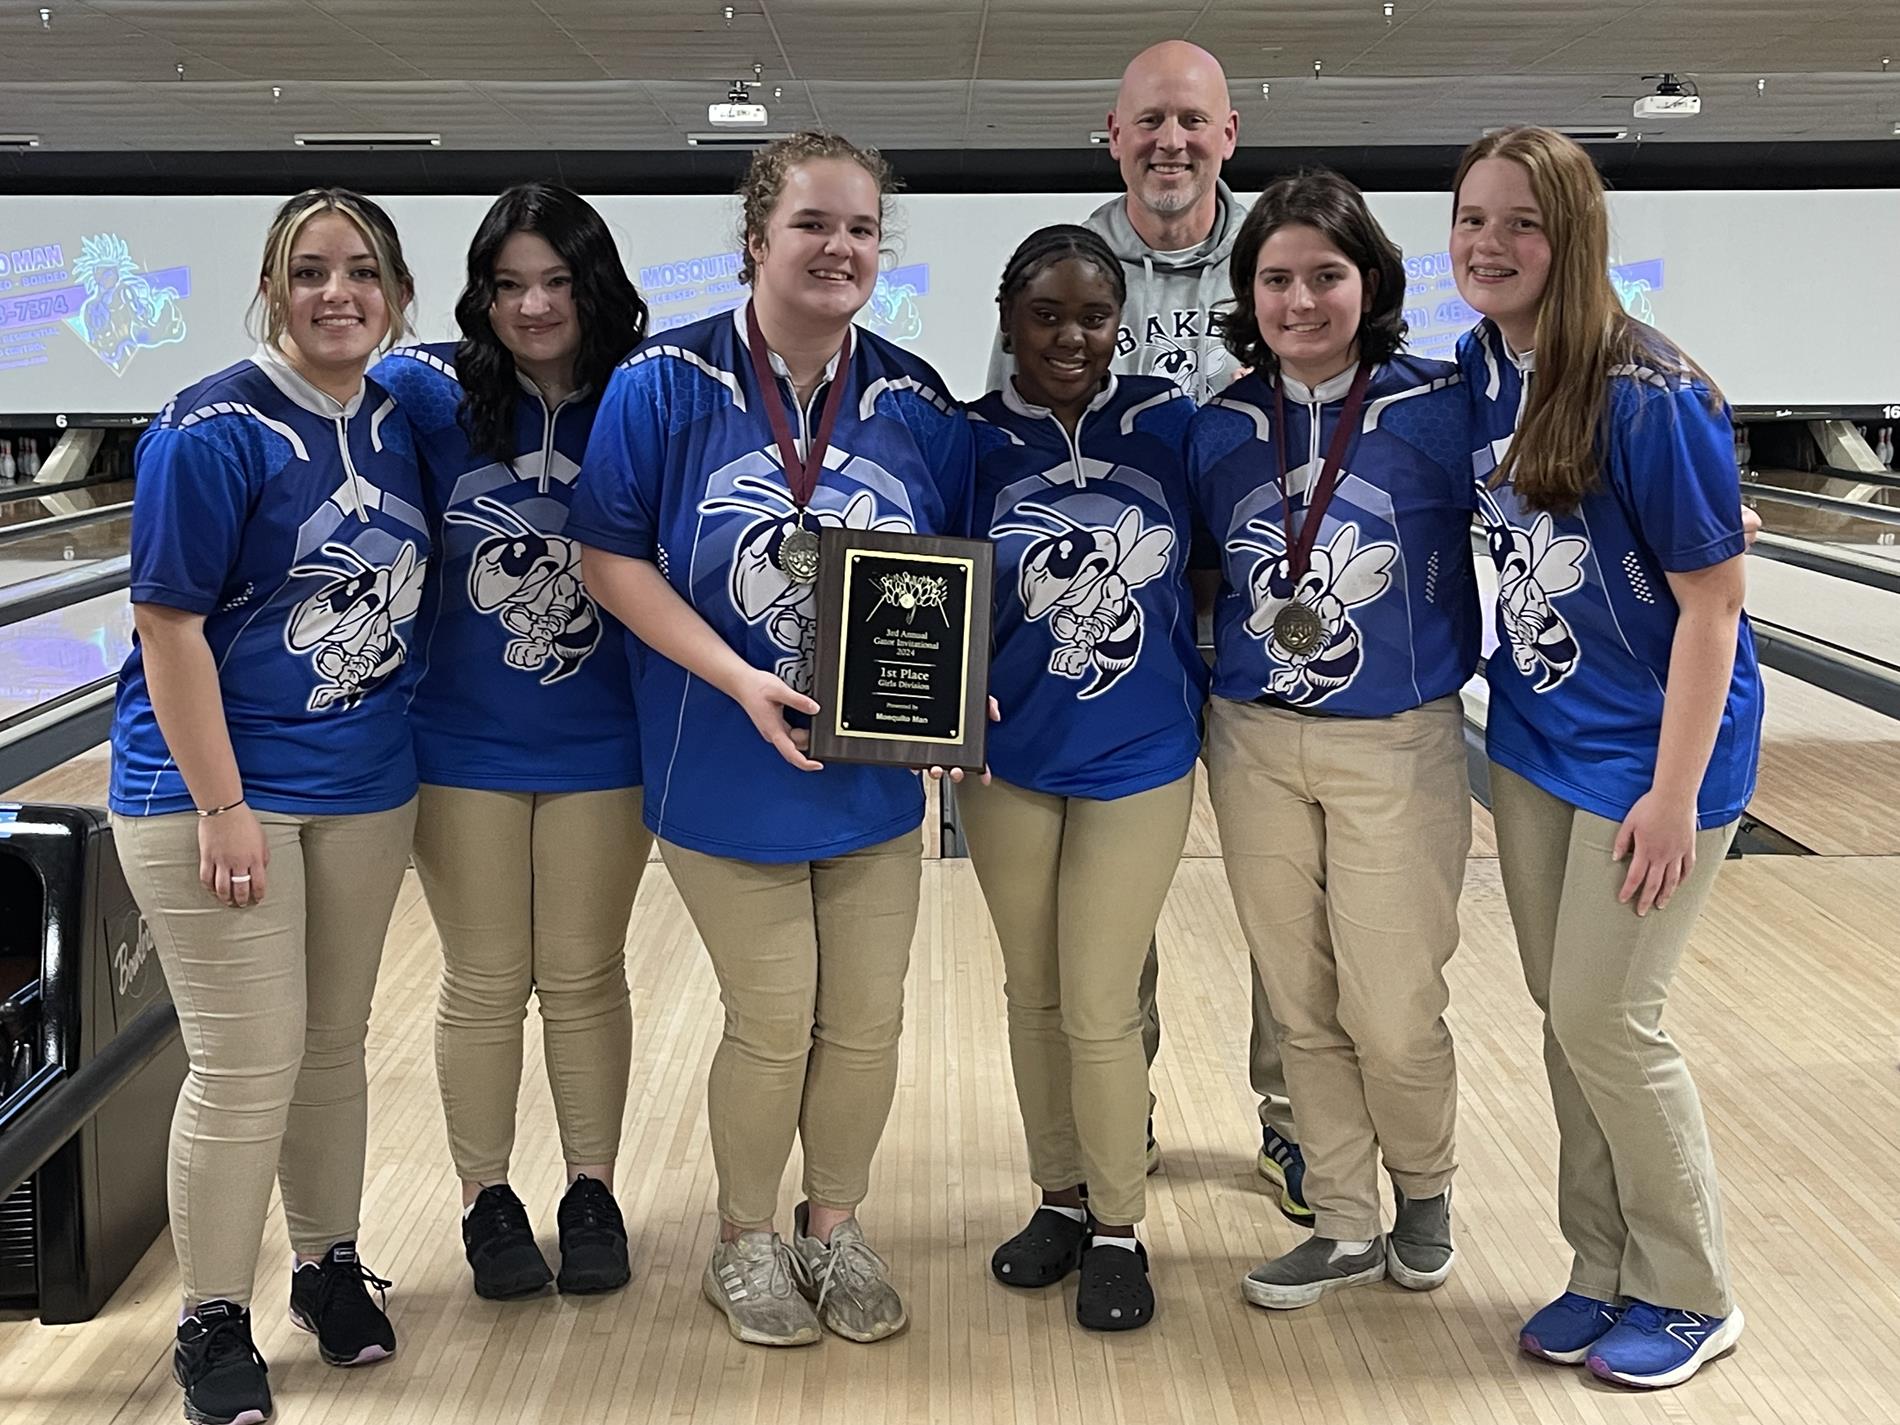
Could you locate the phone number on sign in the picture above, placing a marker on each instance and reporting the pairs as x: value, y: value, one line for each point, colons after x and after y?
x: 22, y: 310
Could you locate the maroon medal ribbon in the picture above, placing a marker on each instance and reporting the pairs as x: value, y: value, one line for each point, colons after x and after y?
x: 801, y: 476
x: 1299, y: 550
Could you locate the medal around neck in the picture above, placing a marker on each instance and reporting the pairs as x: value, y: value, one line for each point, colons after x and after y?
x: 798, y: 555
x: 903, y: 656
x: 1299, y: 629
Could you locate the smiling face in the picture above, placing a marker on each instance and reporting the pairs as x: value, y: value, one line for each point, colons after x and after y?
x: 1061, y: 325
x: 1500, y: 253
x: 336, y: 315
x: 533, y: 312
x: 817, y: 257
x: 1171, y: 128
x: 1309, y: 298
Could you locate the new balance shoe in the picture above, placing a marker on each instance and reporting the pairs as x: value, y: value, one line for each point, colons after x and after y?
x: 847, y: 1283
x: 1282, y: 1164
x: 751, y: 1279
x: 499, y: 1242
x: 330, y: 1300
x: 217, y: 1363
x: 1318, y: 1265
x: 1655, y: 1346
x: 1044, y: 1252
x: 593, y: 1240
x: 1115, y: 1294
x: 1418, y: 1250
x: 1565, y: 1330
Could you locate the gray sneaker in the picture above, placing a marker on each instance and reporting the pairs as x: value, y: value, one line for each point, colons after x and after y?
x: 848, y: 1283
x: 1318, y: 1265
x: 751, y: 1280
x: 1418, y: 1250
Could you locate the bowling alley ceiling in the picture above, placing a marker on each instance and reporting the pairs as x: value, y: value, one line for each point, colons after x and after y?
x: 632, y: 76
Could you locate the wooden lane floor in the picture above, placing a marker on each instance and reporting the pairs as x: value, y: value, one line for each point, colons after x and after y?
x: 1787, y: 1005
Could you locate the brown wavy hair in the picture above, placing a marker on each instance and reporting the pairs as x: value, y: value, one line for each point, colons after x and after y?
x: 270, y: 306
x: 765, y: 177
x: 1583, y: 333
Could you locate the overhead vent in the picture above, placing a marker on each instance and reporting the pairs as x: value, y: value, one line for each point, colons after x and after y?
x: 19, y: 140
x: 735, y: 139
x: 369, y: 140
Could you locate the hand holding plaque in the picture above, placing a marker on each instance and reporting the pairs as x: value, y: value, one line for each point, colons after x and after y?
x: 903, y: 649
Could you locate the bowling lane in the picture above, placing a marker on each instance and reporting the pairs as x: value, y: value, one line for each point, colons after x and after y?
x: 18, y: 507
x: 55, y: 652
x: 52, y: 551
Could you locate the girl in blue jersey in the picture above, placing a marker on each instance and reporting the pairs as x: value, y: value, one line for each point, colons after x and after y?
x: 263, y: 786
x: 1331, y: 481
x: 529, y: 842
x: 721, y: 447
x: 1081, y: 483
x: 1625, y: 725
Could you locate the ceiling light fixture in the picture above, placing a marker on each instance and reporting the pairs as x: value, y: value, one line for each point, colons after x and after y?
x: 1098, y: 135
x: 46, y: 18
x: 1266, y: 89
x: 1316, y: 64
x: 1388, y: 7
x: 1761, y: 87
x: 368, y: 140
x: 19, y: 140
x: 181, y: 70
x: 276, y: 92
x: 754, y: 139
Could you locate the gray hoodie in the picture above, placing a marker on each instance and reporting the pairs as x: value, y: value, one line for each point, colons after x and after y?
x: 1167, y: 322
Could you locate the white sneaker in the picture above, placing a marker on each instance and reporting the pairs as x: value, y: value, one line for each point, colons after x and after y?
x: 848, y: 1283
x: 751, y: 1280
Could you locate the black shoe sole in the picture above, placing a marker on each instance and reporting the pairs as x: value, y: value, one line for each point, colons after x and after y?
x: 243, y: 1417
x: 1055, y: 1267
x: 593, y: 1281
x: 514, y: 1290
x: 1102, y: 1321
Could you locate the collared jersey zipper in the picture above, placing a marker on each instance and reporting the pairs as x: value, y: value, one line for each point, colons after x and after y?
x: 349, y: 468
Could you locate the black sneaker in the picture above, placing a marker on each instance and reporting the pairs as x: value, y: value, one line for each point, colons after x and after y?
x: 501, y: 1248
x: 329, y: 1300
x: 219, y: 1367
x: 593, y: 1239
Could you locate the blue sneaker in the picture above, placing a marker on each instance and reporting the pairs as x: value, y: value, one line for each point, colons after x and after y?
x: 1655, y: 1346
x: 1565, y: 1330
x: 1282, y: 1164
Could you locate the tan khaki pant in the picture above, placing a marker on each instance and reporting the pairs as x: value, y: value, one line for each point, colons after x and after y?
x: 1636, y: 1191
x: 1075, y: 887
x: 1345, y: 842
x: 811, y: 958
x: 273, y: 1005
x: 531, y: 892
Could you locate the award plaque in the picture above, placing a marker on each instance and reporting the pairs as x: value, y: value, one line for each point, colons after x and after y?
x: 903, y: 649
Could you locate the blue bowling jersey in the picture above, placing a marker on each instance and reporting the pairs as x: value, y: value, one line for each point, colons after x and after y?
x: 522, y: 681
x: 1585, y: 617
x: 294, y: 524
x: 683, y: 470
x: 1094, y: 664
x: 1391, y: 578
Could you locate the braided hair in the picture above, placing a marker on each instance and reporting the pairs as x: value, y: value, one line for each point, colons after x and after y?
x: 1043, y: 249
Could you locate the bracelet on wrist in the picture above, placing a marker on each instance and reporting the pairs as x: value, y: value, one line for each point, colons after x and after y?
x: 220, y: 811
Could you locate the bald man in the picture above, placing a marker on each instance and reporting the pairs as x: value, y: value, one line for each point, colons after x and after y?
x: 1172, y: 127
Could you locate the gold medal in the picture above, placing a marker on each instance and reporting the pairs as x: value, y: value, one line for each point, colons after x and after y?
x: 1299, y: 629
x: 798, y: 555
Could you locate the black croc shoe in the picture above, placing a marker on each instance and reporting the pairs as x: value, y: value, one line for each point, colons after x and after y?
x: 1114, y: 1294
x: 1043, y: 1253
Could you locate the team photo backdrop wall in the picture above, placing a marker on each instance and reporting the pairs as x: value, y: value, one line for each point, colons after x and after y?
x: 112, y: 304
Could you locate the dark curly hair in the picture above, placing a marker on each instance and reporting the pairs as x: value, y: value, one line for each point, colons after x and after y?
x: 1047, y: 246
x: 613, y: 318
x: 765, y: 175
x: 1319, y: 199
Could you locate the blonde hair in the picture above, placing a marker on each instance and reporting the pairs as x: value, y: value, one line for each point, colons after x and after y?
x: 270, y: 308
x: 1583, y: 333
x: 765, y: 176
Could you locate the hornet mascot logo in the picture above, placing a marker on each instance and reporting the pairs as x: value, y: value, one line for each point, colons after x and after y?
x: 1341, y: 576
x: 1534, y: 570
x: 349, y: 625
x: 1081, y: 579
x: 531, y: 582
x: 760, y: 590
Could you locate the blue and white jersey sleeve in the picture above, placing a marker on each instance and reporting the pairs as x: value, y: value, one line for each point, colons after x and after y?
x: 617, y: 504
x: 1094, y: 663
x: 188, y: 512
x: 1674, y: 463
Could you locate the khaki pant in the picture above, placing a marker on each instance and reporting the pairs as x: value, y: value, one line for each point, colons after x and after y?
x: 1345, y: 842
x: 1636, y: 1192
x: 810, y: 957
x: 1075, y: 887
x: 531, y: 892
x: 273, y: 1005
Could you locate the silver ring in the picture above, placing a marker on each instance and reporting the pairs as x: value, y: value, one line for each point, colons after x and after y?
x: 236, y: 879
